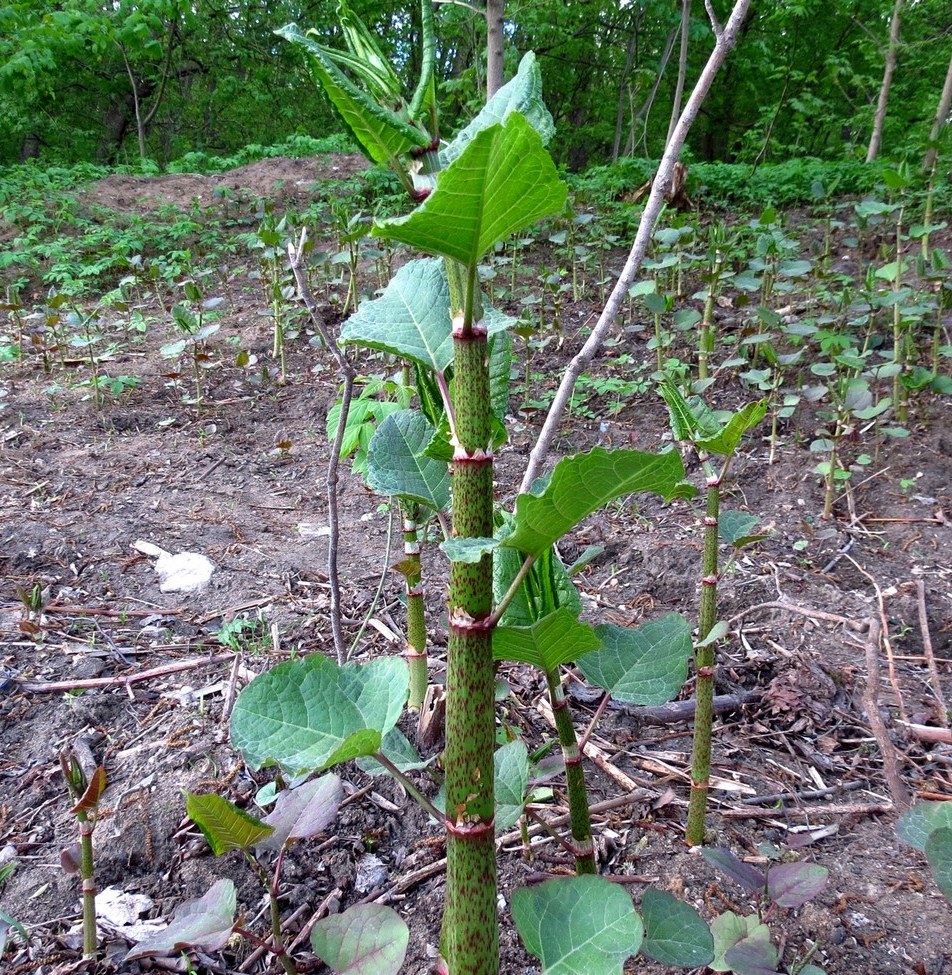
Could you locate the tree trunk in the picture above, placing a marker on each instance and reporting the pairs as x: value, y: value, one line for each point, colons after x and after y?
x: 876, y: 138
x: 682, y: 68
x: 623, y: 91
x: 495, y: 46
x: 941, y: 118
x: 116, y: 125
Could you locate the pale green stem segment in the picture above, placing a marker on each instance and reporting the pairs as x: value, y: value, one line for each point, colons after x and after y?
x: 580, y: 818
x: 470, y: 939
x: 704, y: 665
x: 416, y: 610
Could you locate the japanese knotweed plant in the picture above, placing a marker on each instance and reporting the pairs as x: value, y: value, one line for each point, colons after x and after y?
x: 694, y: 423
x: 928, y: 827
x: 494, y: 179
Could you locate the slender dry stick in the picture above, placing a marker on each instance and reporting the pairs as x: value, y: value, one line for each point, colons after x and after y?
x: 726, y: 38
x: 348, y: 375
x: 942, y: 709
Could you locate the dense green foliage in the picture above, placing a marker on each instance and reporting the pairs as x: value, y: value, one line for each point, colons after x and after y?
x: 81, y: 80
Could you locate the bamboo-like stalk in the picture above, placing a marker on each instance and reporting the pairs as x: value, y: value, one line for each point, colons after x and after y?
x: 704, y: 664
x: 581, y: 820
x: 470, y: 938
x: 705, y: 345
x: 416, y: 610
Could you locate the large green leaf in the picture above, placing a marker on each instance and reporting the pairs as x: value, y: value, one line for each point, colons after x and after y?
x: 502, y: 181
x: 224, y: 825
x: 546, y: 587
x: 510, y: 783
x: 917, y: 823
x: 726, y: 441
x: 578, y: 925
x: 646, y: 664
x: 306, y: 715
x: 555, y: 639
x: 675, y: 934
x: 939, y: 855
x: 383, y: 135
x: 521, y: 94
x: 411, y: 319
x: 397, y: 463
x: 366, y: 939
x: 584, y: 483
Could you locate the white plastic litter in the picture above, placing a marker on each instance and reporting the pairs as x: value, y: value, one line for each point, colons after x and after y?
x: 184, y: 572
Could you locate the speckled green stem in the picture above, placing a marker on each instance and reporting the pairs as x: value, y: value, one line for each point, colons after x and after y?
x: 580, y: 817
x: 470, y: 939
x: 704, y: 669
x: 416, y: 610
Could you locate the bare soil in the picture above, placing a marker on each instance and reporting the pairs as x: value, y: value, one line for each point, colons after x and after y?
x: 242, y: 481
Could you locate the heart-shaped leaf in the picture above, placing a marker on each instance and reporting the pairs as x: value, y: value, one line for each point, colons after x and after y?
x: 303, y: 812
x: 397, y: 463
x: 578, y: 925
x: 584, y: 483
x: 225, y: 826
x: 675, y: 934
x: 503, y: 180
x: 366, y: 939
x: 729, y: 929
x: 205, y: 923
x: 645, y: 664
x: 306, y: 715
x: 793, y: 884
x: 555, y: 639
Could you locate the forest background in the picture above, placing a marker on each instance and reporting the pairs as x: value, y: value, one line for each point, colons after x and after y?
x: 127, y: 82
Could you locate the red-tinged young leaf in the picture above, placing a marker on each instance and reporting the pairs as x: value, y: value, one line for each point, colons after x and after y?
x: 90, y: 798
x: 367, y: 939
x: 752, y: 958
x: 302, y: 812
x: 206, y: 923
x: 748, y: 877
x: 793, y: 884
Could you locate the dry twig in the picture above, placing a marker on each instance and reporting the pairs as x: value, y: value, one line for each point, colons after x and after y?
x: 942, y: 709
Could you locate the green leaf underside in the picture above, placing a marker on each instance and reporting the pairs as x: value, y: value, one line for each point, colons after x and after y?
x: 646, y: 664
x: 547, y: 588
x: 224, y: 825
x: 734, y: 526
x: 522, y: 94
x: 468, y: 549
x: 939, y: 854
x: 917, y: 823
x: 304, y: 811
x: 511, y: 781
x: 503, y: 181
x: 397, y: 463
x: 558, y: 638
x: 309, y: 714
x: 793, y: 884
x: 205, y: 923
x: 578, y: 925
x: 381, y: 133
x: 726, y: 442
x: 675, y: 934
x: 366, y: 939
x: 411, y: 319
x: 584, y: 483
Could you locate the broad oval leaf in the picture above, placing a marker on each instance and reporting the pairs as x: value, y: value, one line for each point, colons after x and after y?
x: 729, y: 929
x: 510, y: 784
x: 939, y: 855
x: 397, y: 463
x: 646, y: 664
x: 397, y: 748
x: 675, y: 934
x: 793, y: 884
x: 917, y: 823
x: 303, y: 812
x: 224, y: 825
x: 578, y: 924
x: 502, y: 181
x: 306, y: 715
x: 584, y: 483
x: 558, y: 638
x: 205, y: 923
x: 366, y: 939
x: 752, y: 957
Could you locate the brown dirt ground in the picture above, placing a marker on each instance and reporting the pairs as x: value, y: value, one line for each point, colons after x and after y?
x: 242, y: 482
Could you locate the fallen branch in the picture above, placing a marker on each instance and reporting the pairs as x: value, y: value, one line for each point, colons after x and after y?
x: 858, y: 626
x: 678, y: 711
x: 942, y: 709
x: 811, y: 812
